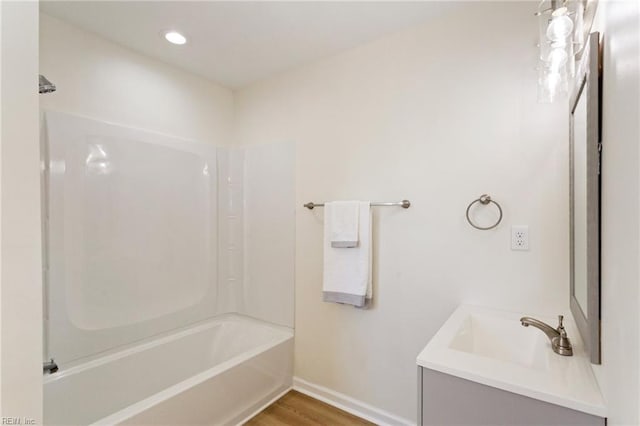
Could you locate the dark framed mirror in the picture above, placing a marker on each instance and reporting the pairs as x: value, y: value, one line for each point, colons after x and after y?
x: 585, y: 151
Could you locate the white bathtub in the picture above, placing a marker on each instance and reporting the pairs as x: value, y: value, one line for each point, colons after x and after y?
x: 219, y: 373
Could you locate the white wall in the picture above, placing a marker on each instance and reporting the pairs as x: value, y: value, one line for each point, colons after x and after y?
x: 619, y: 374
x: 20, y: 261
x: 438, y: 114
x: 99, y: 79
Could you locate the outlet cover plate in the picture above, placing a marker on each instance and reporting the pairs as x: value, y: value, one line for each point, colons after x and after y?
x: 520, y: 237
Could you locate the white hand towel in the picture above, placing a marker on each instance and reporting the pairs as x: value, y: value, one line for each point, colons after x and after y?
x: 341, y: 217
x: 347, y: 273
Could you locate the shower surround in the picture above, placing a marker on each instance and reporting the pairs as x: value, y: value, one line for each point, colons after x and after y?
x: 155, y: 270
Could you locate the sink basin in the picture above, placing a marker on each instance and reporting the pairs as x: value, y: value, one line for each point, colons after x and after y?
x: 491, y: 347
x: 503, y: 340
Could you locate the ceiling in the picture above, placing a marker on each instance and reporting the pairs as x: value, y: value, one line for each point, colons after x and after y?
x: 236, y: 43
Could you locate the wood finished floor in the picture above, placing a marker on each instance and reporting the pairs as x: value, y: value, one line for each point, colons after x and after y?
x: 297, y: 409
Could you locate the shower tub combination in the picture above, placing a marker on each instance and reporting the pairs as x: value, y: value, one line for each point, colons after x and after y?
x: 220, y: 372
x: 139, y: 317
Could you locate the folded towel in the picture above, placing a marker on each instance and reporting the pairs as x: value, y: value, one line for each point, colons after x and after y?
x: 347, y: 273
x: 341, y: 217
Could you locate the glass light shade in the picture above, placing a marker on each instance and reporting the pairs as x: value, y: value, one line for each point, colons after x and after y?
x: 576, y: 12
x: 571, y: 63
x: 551, y: 85
x: 557, y: 31
x: 557, y: 59
x: 544, y: 18
x: 560, y: 27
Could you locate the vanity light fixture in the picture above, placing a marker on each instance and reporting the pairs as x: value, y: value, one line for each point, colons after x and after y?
x: 175, y: 37
x: 560, y: 39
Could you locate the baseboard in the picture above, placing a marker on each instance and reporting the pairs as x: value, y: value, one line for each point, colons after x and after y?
x: 348, y: 404
x: 263, y: 406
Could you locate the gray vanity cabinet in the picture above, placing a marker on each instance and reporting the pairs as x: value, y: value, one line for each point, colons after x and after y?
x: 449, y: 400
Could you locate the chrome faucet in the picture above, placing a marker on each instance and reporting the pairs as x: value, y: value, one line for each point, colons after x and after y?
x: 558, y: 336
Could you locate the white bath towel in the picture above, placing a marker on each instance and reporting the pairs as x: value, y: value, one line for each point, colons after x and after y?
x: 341, y: 217
x: 347, y: 272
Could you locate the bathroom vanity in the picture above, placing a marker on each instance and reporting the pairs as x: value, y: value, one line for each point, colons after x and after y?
x: 483, y: 367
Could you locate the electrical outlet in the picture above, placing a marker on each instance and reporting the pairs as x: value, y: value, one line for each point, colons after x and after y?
x: 520, y: 237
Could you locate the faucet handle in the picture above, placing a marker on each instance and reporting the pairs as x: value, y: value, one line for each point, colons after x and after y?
x: 560, y: 328
x: 560, y: 318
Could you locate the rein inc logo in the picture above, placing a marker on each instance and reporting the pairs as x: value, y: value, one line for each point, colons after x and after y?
x: 17, y: 421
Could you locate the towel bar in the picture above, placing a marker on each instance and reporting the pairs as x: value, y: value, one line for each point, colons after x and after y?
x: 405, y: 204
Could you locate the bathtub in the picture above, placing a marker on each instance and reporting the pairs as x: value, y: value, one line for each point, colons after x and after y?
x: 220, y: 372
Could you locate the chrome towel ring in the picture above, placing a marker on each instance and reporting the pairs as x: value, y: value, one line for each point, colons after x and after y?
x: 484, y: 200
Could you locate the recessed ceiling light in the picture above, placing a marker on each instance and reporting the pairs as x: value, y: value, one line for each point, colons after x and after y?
x: 175, y: 37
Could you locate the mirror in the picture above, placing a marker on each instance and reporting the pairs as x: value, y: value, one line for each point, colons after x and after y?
x: 585, y: 149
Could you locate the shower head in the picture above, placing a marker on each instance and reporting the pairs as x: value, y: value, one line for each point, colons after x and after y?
x: 46, y: 86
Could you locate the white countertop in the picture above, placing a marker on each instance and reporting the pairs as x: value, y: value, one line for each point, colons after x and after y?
x: 520, y: 363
